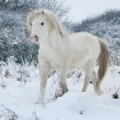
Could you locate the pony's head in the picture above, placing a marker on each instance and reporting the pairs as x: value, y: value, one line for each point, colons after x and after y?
x: 41, y: 23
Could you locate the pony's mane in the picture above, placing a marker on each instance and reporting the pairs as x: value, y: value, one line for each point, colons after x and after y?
x: 51, y: 18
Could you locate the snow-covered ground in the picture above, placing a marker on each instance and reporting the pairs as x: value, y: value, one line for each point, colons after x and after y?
x: 20, y: 97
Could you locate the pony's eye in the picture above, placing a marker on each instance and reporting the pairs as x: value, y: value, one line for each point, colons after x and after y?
x: 42, y: 23
x: 31, y: 23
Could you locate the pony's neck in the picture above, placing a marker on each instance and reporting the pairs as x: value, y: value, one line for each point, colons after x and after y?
x: 54, y: 34
x: 54, y: 38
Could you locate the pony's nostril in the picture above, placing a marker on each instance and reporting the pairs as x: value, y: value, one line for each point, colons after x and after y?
x: 35, y: 36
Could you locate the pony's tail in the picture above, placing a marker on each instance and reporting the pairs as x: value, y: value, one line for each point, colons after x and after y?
x: 103, y: 60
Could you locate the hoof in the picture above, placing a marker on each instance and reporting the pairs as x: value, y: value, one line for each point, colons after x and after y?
x: 99, y: 92
x: 39, y: 102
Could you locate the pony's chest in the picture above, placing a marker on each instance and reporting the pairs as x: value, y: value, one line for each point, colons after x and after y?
x: 56, y: 54
x: 50, y: 57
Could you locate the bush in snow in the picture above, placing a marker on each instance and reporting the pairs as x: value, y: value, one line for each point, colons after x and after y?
x: 14, y: 36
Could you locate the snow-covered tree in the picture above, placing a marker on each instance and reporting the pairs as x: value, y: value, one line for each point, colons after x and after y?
x: 14, y: 36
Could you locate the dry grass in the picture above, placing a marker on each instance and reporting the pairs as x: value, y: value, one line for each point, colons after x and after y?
x: 71, y: 73
x: 51, y: 73
x: 108, y: 90
x: 7, y: 73
x: 34, y: 114
x: 58, y: 92
x: 2, y: 81
x: 115, y: 95
x: 7, y: 113
x: 22, y: 74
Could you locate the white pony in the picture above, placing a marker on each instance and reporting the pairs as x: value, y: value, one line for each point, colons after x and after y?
x: 61, y: 51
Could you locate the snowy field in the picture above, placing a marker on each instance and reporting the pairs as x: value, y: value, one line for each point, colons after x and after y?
x: 19, y: 88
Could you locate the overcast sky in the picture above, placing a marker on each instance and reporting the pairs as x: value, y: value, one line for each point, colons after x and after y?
x: 85, y: 8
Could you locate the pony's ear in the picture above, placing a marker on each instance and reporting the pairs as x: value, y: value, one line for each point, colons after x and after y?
x: 42, y: 12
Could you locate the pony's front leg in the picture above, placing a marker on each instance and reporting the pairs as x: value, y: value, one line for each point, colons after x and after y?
x: 63, y: 76
x: 43, y: 70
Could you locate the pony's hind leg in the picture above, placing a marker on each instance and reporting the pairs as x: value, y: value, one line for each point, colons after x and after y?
x: 86, y: 83
x: 89, y: 67
x: 96, y: 83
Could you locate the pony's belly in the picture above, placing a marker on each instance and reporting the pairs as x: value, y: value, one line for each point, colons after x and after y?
x: 54, y: 65
x: 56, y: 62
x: 79, y: 63
x: 80, y: 58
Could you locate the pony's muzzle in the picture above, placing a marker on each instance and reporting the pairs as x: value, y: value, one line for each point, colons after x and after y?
x: 34, y: 38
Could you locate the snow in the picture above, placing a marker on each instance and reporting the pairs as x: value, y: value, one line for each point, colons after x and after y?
x: 20, y: 97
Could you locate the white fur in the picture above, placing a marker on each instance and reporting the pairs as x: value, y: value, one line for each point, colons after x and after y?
x: 64, y: 52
